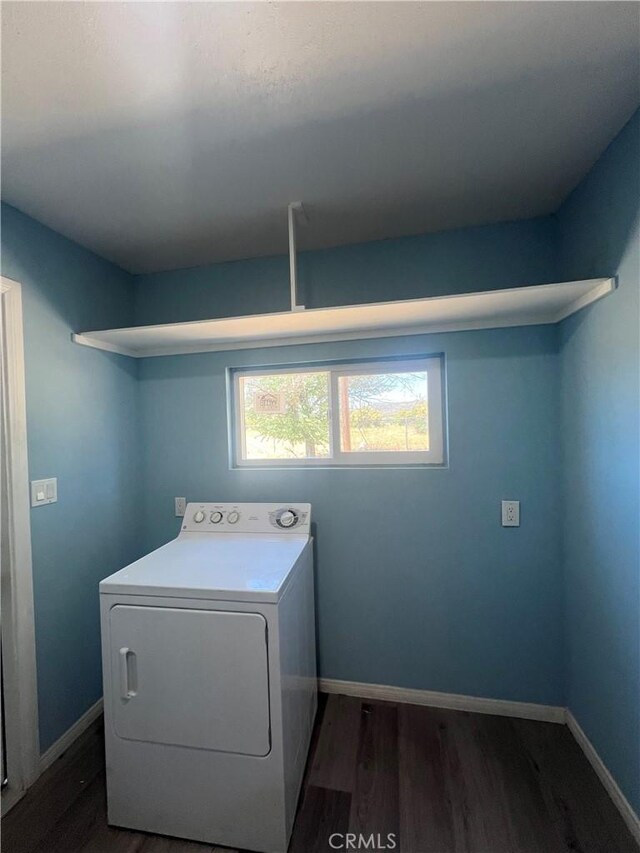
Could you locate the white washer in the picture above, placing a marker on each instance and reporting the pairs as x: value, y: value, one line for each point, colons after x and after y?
x: 208, y: 649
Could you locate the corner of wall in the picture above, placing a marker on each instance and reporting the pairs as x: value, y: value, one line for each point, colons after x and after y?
x: 598, y: 235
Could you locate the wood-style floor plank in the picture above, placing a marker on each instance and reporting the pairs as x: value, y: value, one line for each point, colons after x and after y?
x: 523, y: 806
x: 77, y: 825
x: 334, y: 762
x: 577, y: 803
x: 374, y: 802
x: 321, y: 814
x: 474, y: 792
x: 441, y: 781
x: 37, y: 812
x: 426, y: 821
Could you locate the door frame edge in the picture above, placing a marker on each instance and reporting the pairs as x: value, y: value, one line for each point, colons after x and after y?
x: 19, y: 648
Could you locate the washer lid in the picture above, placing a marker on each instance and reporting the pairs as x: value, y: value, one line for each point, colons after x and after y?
x: 226, y: 567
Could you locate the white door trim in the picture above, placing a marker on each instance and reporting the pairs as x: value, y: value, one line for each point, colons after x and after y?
x: 18, y: 650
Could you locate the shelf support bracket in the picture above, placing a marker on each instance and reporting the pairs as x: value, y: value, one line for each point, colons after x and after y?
x: 294, y: 209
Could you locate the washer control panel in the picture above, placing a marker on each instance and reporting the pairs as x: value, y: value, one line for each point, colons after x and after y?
x: 247, y: 518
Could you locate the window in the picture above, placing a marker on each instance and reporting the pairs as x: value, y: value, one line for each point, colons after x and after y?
x: 367, y: 413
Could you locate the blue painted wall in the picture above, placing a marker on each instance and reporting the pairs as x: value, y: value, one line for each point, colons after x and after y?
x: 599, y: 228
x: 418, y: 584
x: 83, y: 429
x: 486, y: 258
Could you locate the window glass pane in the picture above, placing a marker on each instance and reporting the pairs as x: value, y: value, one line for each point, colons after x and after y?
x: 285, y: 416
x: 384, y: 412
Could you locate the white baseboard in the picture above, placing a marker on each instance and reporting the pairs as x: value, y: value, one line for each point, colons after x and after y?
x: 610, y: 784
x: 452, y: 701
x: 11, y: 796
x: 73, y: 733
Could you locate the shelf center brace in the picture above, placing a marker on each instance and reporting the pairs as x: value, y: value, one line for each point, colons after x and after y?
x: 294, y: 209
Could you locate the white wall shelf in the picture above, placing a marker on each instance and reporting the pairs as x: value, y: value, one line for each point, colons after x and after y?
x: 519, y: 306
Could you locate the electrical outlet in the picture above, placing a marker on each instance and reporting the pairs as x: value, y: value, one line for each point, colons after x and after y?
x: 181, y: 507
x: 511, y: 513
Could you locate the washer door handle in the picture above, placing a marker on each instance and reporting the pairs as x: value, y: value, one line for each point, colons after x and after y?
x: 126, y: 691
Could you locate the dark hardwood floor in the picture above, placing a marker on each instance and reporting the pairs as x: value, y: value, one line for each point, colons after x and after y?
x: 440, y: 781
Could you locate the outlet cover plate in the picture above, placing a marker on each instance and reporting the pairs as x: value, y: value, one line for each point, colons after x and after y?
x: 511, y: 513
x: 44, y: 491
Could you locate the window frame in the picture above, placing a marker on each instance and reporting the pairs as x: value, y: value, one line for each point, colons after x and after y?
x: 435, y: 457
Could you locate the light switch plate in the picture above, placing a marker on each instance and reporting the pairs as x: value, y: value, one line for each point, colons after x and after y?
x: 44, y: 491
x: 181, y: 507
x: 511, y: 513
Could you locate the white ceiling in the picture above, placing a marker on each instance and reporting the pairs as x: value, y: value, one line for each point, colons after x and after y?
x: 163, y: 135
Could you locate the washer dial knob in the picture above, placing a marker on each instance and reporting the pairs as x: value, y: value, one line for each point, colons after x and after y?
x: 233, y: 516
x: 287, y: 518
x: 215, y: 517
x: 198, y: 516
